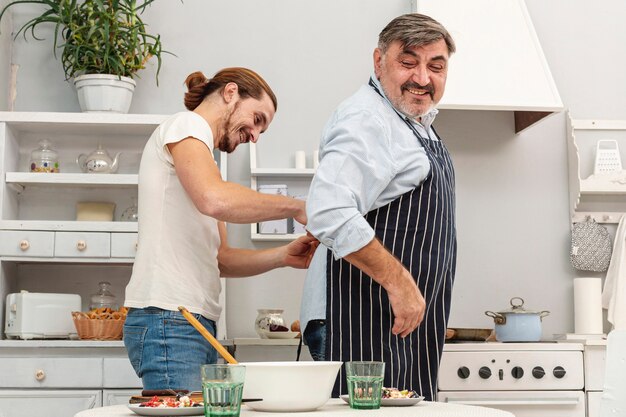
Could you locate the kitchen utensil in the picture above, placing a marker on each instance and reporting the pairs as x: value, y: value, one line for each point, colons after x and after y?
x: 207, y: 335
x: 98, y: 161
x: 289, y: 386
x: 608, y: 158
x: 468, y: 334
x: 517, y: 324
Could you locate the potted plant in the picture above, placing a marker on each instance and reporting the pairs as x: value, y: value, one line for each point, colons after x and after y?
x: 104, y: 43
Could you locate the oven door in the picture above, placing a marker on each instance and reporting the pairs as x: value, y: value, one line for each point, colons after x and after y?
x: 523, y: 403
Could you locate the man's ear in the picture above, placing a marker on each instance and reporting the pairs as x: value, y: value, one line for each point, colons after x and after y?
x: 378, y: 62
x: 230, y: 92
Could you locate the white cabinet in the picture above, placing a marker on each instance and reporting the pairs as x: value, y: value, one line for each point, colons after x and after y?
x: 43, y: 248
x: 53, y: 403
x: 297, y: 181
x: 601, y: 196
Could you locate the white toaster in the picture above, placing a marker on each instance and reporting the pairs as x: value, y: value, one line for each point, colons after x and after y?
x: 34, y: 315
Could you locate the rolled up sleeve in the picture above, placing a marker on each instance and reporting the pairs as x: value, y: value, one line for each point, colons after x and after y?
x: 356, y: 165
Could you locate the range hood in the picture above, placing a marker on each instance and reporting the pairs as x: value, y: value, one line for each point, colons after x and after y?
x: 499, y: 63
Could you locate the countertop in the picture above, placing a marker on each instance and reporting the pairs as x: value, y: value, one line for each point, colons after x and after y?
x: 339, y: 408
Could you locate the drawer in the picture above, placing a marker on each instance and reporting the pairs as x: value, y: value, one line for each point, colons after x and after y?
x: 82, y: 245
x: 48, y: 403
x: 51, y: 372
x: 118, y: 396
x: 595, y: 366
x: 123, y: 245
x: 119, y: 373
x: 26, y: 243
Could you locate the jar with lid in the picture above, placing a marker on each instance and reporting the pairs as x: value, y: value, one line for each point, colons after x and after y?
x: 44, y: 158
x: 103, y: 298
x: 266, y: 318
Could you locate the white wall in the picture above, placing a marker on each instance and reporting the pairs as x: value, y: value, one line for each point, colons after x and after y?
x: 512, y: 189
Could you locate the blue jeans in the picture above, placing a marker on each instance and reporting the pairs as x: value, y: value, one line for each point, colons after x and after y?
x: 165, y: 350
x: 315, y: 338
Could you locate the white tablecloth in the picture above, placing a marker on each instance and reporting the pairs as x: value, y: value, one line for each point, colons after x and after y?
x: 339, y: 408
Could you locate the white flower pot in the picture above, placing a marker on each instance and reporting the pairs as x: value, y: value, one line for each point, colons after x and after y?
x: 99, y: 93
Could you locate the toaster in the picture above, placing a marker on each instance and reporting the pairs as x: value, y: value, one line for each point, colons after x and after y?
x: 33, y: 315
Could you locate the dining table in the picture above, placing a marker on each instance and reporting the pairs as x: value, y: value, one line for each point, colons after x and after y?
x: 337, y: 408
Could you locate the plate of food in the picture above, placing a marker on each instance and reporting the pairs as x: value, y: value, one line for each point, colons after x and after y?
x: 168, y: 406
x: 393, y: 397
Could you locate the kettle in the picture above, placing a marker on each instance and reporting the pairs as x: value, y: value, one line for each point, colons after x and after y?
x: 99, y: 161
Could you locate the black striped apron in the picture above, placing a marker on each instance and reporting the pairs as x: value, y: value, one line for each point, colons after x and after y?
x: 419, y: 229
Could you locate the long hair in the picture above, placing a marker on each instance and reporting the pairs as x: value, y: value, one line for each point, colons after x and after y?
x: 250, y: 84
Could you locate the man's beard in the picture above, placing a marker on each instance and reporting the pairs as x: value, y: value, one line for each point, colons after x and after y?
x: 403, y: 107
x: 224, y: 143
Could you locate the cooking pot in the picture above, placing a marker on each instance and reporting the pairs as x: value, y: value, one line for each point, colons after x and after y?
x: 517, y: 324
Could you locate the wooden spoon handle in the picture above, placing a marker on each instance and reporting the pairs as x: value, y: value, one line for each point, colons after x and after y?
x: 207, y: 335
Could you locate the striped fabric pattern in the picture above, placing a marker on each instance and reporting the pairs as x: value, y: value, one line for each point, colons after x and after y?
x: 419, y: 229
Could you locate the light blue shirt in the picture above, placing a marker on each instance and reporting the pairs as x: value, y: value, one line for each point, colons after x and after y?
x: 368, y: 158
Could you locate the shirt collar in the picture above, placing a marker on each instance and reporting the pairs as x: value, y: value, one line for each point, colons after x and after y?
x: 426, y: 120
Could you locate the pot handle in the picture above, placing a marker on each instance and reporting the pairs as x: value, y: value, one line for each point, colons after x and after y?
x: 543, y: 314
x: 497, y: 318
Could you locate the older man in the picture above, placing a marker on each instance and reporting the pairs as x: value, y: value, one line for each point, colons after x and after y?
x: 383, y: 202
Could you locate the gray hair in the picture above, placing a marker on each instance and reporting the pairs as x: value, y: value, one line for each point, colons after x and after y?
x: 414, y: 29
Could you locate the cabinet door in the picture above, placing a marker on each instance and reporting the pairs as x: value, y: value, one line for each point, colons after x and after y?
x: 123, y: 245
x: 48, y: 403
x: 50, y: 372
x: 26, y: 243
x: 119, y: 373
x: 118, y: 396
x: 82, y: 245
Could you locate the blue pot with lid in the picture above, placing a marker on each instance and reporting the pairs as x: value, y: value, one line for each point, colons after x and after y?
x: 517, y: 324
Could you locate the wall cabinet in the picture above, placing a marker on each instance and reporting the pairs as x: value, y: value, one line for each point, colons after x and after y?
x: 601, y: 196
x: 43, y: 248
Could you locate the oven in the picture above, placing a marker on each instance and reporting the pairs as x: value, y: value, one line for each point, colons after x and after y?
x: 527, y: 379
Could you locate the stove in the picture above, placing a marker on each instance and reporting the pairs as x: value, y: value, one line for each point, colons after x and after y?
x: 527, y: 379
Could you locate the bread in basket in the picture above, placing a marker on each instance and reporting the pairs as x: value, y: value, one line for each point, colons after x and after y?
x: 100, y: 324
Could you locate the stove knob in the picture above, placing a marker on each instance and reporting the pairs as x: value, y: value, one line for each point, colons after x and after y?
x: 463, y: 372
x: 538, y: 372
x: 484, y: 372
x: 559, y: 372
x: 517, y: 372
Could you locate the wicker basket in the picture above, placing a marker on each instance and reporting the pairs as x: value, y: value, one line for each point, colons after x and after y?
x: 98, y: 329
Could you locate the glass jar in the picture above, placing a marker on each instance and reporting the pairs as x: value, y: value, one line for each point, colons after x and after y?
x: 44, y: 158
x: 268, y: 317
x: 103, y: 298
x: 131, y: 214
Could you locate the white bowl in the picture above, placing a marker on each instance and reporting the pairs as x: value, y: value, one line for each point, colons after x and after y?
x: 289, y: 386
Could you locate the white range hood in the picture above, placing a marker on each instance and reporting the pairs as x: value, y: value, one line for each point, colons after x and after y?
x: 499, y: 63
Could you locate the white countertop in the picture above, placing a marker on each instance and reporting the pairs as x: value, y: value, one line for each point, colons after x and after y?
x: 339, y: 408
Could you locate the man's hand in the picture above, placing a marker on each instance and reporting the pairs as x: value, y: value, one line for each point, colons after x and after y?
x: 298, y: 254
x: 407, y: 304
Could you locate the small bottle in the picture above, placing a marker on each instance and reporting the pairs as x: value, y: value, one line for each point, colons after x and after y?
x: 44, y: 158
x: 103, y: 298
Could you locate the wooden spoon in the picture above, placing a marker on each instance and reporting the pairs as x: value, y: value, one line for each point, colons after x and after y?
x: 207, y: 335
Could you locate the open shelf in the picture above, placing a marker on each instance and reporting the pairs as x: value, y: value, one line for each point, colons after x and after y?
x: 24, y: 179
x: 73, y: 226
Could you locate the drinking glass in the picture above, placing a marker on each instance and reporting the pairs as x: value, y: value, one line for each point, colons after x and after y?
x: 365, y: 384
x: 222, y: 387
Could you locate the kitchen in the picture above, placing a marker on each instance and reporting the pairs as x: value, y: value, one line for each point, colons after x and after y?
x: 512, y: 189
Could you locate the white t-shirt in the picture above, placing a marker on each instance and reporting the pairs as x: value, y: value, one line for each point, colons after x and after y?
x: 176, y: 261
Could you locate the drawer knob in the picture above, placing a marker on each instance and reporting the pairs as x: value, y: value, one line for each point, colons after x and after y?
x: 24, y: 245
x: 81, y: 245
x: 40, y: 375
